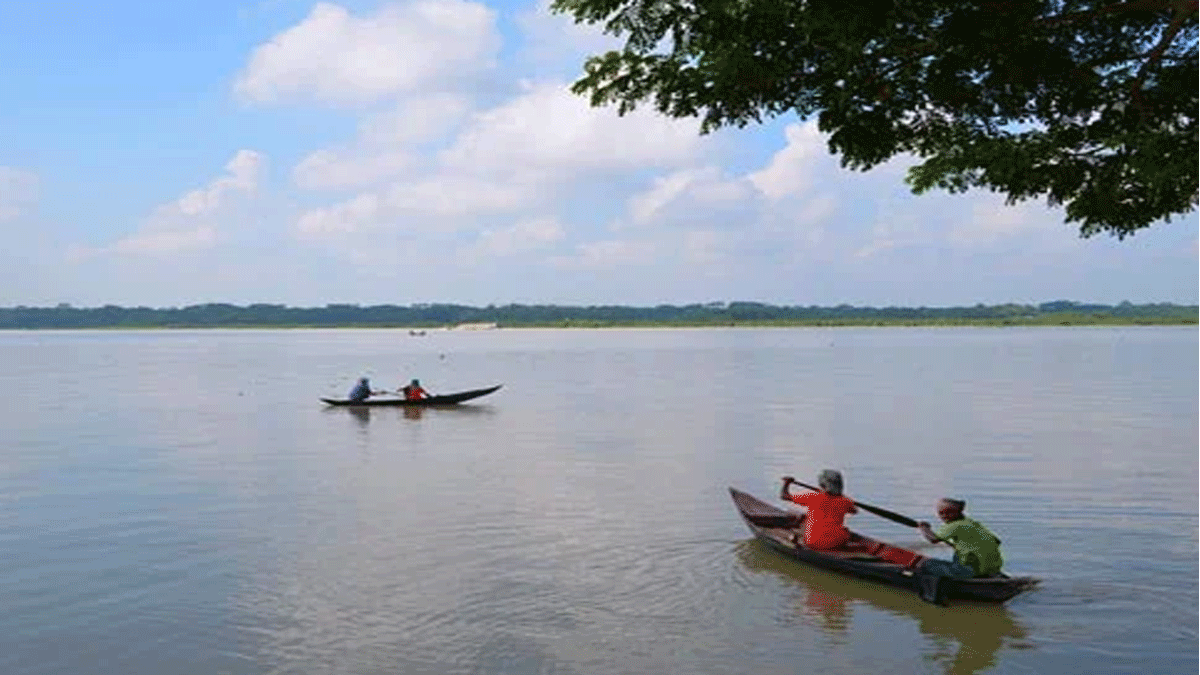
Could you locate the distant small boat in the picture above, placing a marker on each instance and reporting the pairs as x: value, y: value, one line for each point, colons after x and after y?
x: 417, y: 333
x: 442, y: 399
x: 780, y: 530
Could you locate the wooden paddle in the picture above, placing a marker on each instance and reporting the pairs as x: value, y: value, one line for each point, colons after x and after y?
x: 890, y: 515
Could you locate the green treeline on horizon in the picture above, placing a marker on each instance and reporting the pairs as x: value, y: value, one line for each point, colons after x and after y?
x: 220, y: 315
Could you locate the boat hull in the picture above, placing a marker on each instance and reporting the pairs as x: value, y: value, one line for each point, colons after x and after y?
x: 780, y: 530
x: 442, y: 399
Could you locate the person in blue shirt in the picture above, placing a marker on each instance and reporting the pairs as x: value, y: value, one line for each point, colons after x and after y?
x: 361, y: 391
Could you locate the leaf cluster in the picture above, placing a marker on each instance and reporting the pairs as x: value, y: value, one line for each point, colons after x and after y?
x: 1090, y: 104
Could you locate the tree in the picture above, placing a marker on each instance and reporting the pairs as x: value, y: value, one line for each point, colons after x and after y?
x: 1090, y: 103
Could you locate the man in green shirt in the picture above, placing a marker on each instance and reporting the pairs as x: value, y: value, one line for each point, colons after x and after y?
x: 976, y: 549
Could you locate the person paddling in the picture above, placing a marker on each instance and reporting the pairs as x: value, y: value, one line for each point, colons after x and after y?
x: 361, y: 391
x: 976, y: 548
x: 824, y: 526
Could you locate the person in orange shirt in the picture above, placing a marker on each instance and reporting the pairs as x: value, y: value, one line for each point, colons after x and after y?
x: 824, y: 526
x: 413, y: 391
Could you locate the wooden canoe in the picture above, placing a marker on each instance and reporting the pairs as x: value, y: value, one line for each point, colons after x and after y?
x: 783, y: 531
x: 441, y: 399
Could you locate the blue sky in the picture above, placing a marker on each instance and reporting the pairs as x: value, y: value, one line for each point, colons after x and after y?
x: 167, y: 154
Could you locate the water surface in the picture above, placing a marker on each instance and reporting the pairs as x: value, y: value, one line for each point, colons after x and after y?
x: 180, y: 502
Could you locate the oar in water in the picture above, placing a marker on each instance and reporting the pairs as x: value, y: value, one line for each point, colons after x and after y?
x: 890, y: 515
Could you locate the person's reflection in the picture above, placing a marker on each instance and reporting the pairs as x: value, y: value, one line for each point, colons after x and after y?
x: 978, y: 629
x: 360, y: 413
x: 412, y: 412
x: 827, y: 609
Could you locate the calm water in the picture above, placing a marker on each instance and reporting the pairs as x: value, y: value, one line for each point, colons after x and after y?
x: 179, y: 502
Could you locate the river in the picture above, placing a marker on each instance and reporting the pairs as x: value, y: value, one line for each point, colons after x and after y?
x: 180, y: 502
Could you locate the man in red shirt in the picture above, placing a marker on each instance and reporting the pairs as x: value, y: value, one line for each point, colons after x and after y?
x: 827, y: 509
x: 413, y: 391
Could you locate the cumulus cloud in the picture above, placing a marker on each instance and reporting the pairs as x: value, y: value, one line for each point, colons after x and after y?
x: 435, y: 204
x: 665, y: 190
x: 610, y: 254
x: 552, y: 132
x: 527, y: 170
x: 989, y: 219
x: 791, y: 169
x: 166, y: 242
x: 514, y: 156
x: 187, y: 223
x: 416, y: 119
x: 525, y: 236
x: 242, y: 174
x: 696, y: 195
x: 335, y: 57
x: 387, y: 145
x: 348, y: 216
x: 18, y: 191
x: 331, y: 169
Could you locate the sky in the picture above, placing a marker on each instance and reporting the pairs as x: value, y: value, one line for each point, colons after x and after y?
x: 276, y: 151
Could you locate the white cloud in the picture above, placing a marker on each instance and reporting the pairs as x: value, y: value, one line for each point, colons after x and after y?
x: 439, y: 204
x: 525, y: 236
x: 335, y: 57
x: 188, y: 222
x: 386, y: 146
x: 705, y: 248
x: 611, y: 255
x: 514, y: 156
x: 166, y: 242
x: 242, y: 174
x: 451, y: 196
x: 555, y: 43
x: 348, y: 216
x: 791, y: 169
x: 330, y: 169
x: 988, y: 219
x: 508, y: 158
x: 665, y: 190
x: 639, y: 202
x: 815, y: 209
x: 417, y: 119
x: 550, y: 131
x: 699, y: 195
x: 18, y: 191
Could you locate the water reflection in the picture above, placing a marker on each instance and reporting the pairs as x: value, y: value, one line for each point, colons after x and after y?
x: 363, y: 413
x: 966, y: 636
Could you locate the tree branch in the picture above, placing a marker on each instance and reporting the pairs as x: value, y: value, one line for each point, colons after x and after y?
x: 1115, y: 8
x: 1182, y: 10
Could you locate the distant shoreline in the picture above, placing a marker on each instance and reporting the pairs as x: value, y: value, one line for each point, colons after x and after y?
x: 425, y: 317
x: 591, y: 325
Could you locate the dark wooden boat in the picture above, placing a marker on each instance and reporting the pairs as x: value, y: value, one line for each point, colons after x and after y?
x: 783, y: 531
x: 441, y: 399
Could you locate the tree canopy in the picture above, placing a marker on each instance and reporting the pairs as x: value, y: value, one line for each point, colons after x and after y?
x: 1091, y: 104
x: 222, y: 315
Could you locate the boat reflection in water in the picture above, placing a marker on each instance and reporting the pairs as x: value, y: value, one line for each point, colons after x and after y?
x: 966, y: 635
x: 363, y: 415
